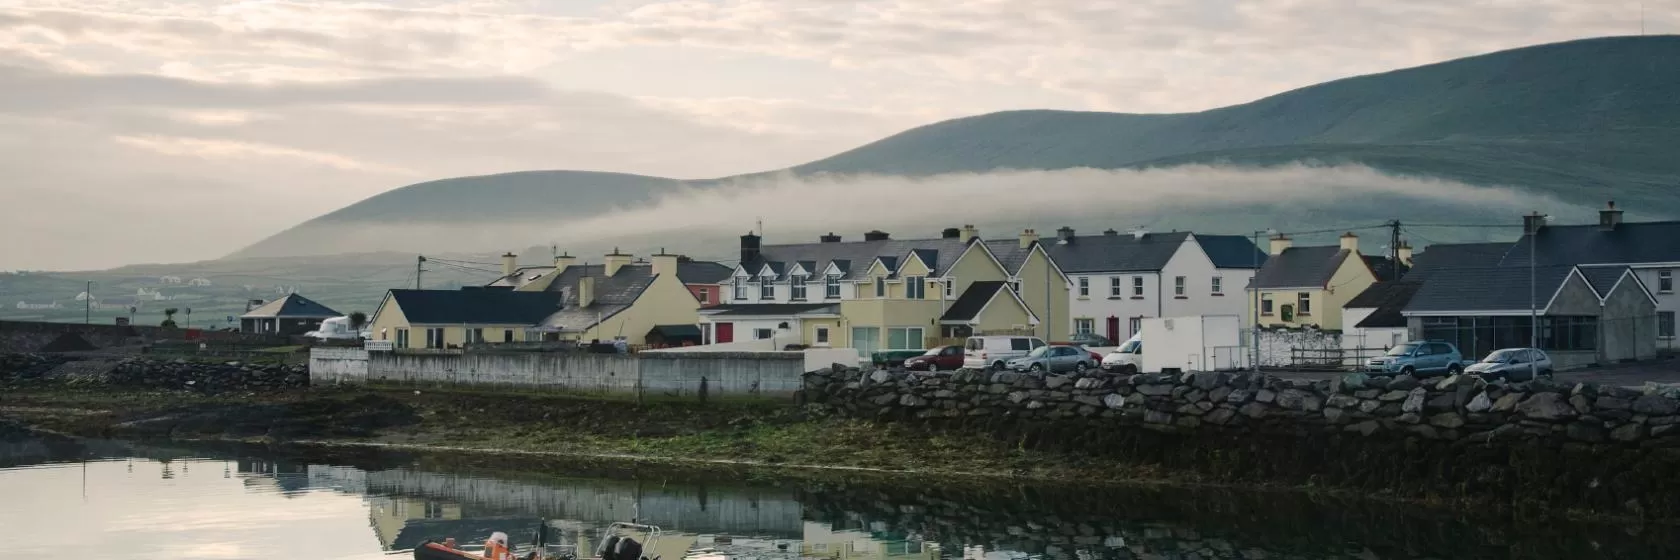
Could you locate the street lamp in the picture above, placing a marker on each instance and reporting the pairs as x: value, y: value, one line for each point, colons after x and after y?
x: 1531, y: 228
x: 1254, y: 285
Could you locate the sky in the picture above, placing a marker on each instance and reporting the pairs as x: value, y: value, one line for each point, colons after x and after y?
x: 181, y: 130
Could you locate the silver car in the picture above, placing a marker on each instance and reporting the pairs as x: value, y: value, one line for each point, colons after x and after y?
x: 1514, y: 364
x: 1054, y: 359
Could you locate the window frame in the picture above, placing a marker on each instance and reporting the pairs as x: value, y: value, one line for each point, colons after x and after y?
x: 1084, y: 286
x: 920, y: 340
x: 1115, y: 286
x: 950, y: 288
x: 915, y: 287
x: 1665, y: 281
x: 766, y: 288
x: 739, y: 288
x: 831, y: 286
x: 1266, y: 306
x: 1217, y: 285
x: 1179, y: 287
x: 1303, y: 304
x: 796, y: 288
x: 1084, y: 325
x: 767, y: 332
x: 1137, y: 286
x: 821, y: 336
x: 705, y: 295
x: 880, y: 287
x: 1671, y: 326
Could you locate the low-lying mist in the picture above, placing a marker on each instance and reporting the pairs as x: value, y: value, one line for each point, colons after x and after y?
x: 703, y: 221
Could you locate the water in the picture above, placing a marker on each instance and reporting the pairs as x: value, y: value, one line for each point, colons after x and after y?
x: 97, y: 499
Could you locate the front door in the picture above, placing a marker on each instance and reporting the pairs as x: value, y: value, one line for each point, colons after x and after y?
x: 725, y: 332
x: 867, y: 340
x: 1114, y: 328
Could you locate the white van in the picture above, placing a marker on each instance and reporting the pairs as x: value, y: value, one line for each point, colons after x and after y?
x: 1128, y: 358
x: 992, y: 352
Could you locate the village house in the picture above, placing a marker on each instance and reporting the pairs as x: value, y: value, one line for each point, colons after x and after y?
x: 1372, y: 321
x: 886, y: 294
x: 1118, y: 280
x: 700, y: 277
x: 1308, y: 286
x: 439, y: 319
x: 292, y: 314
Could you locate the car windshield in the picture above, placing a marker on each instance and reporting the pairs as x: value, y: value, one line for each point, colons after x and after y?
x: 1500, y: 356
x: 1038, y: 352
x: 1129, y: 347
x: 934, y: 352
x: 1403, y: 349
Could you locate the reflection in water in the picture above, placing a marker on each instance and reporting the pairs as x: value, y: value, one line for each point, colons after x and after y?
x: 150, y: 502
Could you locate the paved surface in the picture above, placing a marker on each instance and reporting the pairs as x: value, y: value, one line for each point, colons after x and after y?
x: 1659, y: 371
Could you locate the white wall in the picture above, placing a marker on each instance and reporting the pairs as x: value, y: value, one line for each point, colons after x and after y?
x: 1098, y: 306
x: 746, y: 327
x: 814, y: 291
x: 676, y: 373
x: 1368, y: 340
x: 1669, y: 302
x: 1158, y: 292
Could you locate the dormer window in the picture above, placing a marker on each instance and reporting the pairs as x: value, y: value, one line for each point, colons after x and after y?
x: 798, y: 289
x: 740, y: 287
x: 766, y: 288
x: 880, y: 286
x: 831, y: 286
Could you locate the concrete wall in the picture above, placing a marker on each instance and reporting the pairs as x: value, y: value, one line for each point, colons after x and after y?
x: 1627, y: 328
x: 677, y: 374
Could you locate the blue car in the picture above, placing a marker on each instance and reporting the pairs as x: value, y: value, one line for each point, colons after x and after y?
x: 1418, y: 359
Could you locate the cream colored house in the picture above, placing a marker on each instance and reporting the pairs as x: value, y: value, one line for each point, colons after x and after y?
x: 620, y: 297
x: 1308, y: 286
x: 886, y: 294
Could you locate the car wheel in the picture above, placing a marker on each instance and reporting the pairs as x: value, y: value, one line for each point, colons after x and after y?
x: 1080, y: 367
x: 1036, y: 368
x: 997, y: 365
x: 1454, y: 369
x: 1546, y: 373
x: 1408, y: 370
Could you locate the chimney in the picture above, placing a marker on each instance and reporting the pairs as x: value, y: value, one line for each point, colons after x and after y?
x: 1065, y: 234
x: 969, y: 232
x: 1110, y: 231
x: 510, y: 262
x: 586, y: 291
x: 562, y: 262
x: 1280, y: 242
x: 1609, y: 217
x: 830, y: 238
x: 1028, y: 238
x: 1405, y: 253
x: 615, y: 260
x: 749, y: 248
x: 1350, y: 242
x: 1533, y: 223
x: 950, y: 233
x: 663, y: 263
x: 876, y: 235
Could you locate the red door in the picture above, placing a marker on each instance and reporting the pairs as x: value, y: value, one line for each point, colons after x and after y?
x: 725, y: 332
x: 1114, y: 329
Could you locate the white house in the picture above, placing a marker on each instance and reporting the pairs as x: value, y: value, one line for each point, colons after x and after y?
x: 1120, y: 279
x: 1372, y: 322
x: 1651, y: 249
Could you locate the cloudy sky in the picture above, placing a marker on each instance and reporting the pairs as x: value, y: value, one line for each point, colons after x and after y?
x: 179, y: 130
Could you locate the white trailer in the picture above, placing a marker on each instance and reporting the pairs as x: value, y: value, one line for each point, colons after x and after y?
x: 1196, y: 343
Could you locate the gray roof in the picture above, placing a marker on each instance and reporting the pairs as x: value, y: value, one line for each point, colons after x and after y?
x: 1438, y: 257
x: 1231, y: 251
x: 292, y: 305
x: 1301, y: 267
x: 853, y: 257
x: 1487, y: 289
x: 521, y: 276
x: 612, y: 294
x: 1386, y: 299
x: 1116, y: 253
x: 1603, y: 278
x: 475, y: 306
x: 702, y: 272
x: 972, y: 301
x: 1010, y: 254
x: 1628, y: 243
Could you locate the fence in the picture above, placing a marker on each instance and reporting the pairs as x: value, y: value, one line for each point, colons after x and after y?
x: 669, y: 374
x: 1571, y: 341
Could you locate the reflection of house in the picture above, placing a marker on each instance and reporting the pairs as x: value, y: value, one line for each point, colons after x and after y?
x: 1308, y: 286
x: 27, y: 305
x: 822, y: 540
x: 292, y: 314
x: 169, y: 280
x: 200, y: 282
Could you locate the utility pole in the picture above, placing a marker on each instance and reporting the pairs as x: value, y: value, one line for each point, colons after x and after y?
x: 1394, y: 248
x: 87, y: 304
x: 418, y: 260
x: 1254, y: 310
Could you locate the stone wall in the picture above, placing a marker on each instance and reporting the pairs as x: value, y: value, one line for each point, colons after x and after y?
x: 667, y: 374
x: 207, y: 377
x: 32, y: 336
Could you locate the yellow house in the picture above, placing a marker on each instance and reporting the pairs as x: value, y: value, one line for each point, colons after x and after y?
x: 884, y: 294
x: 621, y: 297
x: 1308, y: 286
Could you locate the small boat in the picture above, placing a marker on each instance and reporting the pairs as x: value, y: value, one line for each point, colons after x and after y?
x: 615, y: 545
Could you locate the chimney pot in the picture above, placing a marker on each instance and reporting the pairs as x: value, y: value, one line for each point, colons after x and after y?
x: 1065, y: 233
x: 1609, y: 217
x: 1279, y: 244
x: 510, y: 263
x: 1110, y: 231
x: 876, y: 235
x: 950, y: 233
x: 1350, y: 242
x: 968, y: 233
x: 750, y: 248
x: 830, y: 238
x: 1028, y: 238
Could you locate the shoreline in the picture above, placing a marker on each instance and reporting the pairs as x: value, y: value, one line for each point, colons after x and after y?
x: 768, y: 439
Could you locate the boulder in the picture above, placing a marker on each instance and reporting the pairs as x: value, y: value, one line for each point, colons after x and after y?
x: 1581, y: 404
x: 1218, y: 394
x: 1606, y: 402
x: 1057, y: 381
x: 1156, y: 417
x: 1508, y: 402
x: 1365, y: 428
x: 1414, y: 400
x: 1447, y: 420
x: 1253, y: 410
x: 1628, y: 432
x: 1348, y: 382
x: 1369, y: 406
x: 1114, y: 401
x: 1206, y: 380
x: 1219, y: 416
x: 1479, y: 404
x: 1296, y: 399
x: 1155, y: 390
x: 1402, y: 383
x: 1188, y: 421
x: 1335, y: 415
x: 1265, y: 396
x: 1581, y: 431
x: 1656, y: 405
x: 1341, y: 401
x: 1239, y: 396
x: 1394, y: 396
x: 1549, y: 407
x: 912, y: 401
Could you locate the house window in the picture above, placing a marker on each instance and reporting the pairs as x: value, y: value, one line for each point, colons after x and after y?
x: 1665, y: 281
x: 766, y: 288
x: 1304, y: 302
x: 831, y: 286
x: 1015, y: 284
x: 822, y: 335
x: 1136, y: 324
x: 904, y: 338
x: 1137, y: 286
x: 1218, y: 285
x: 402, y: 338
x: 434, y: 338
x: 1114, y: 286
x: 1568, y: 333
x: 1084, y: 286
x: 1665, y: 324
x: 799, y: 288
x: 705, y: 296
x: 1178, y: 286
x: 740, y: 289
x: 761, y: 334
x: 915, y: 287
x: 474, y: 336
x: 1084, y: 326
x: 880, y: 286
x: 950, y: 288
x: 1265, y: 304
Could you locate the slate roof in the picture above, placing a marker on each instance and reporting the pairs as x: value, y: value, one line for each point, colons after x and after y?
x: 1231, y: 251
x: 1439, y: 257
x: 292, y: 305
x: 1388, y: 299
x: 702, y: 272
x: 1116, y: 253
x: 520, y: 277
x: 1010, y: 254
x: 1487, y: 289
x: 929, y: 257
x: 1301, y: 267
x: 612, y: 294
x: 1383, y: 267
x: 853, y: 257
x: 1602, y: 278
x: 475, y: 307
x: 972, y: 301
x: 1628, y: 243
x: 767, y: 309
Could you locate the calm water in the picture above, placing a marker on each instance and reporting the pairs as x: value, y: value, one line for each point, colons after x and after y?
x: 98, y: 499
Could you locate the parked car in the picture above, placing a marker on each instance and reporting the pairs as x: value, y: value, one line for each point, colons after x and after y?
x: 1419, y: 359
x: 1091, y: 340
x: 893, y: 358
x: 1054, y: 359
x: 995, y: 351
x: 938, y: 359
x: 1127, y: 359
x: 1515, y: 364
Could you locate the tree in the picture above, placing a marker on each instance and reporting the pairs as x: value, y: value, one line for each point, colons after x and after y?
x: 357, y: 320
x: 169, y: 317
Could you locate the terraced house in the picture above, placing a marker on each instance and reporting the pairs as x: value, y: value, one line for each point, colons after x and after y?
x: 888, y: 294
x: 1120, y: 279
